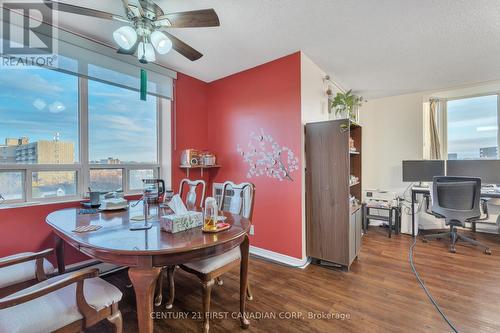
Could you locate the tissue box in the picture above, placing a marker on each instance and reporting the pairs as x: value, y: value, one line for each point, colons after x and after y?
x: 176, y: 223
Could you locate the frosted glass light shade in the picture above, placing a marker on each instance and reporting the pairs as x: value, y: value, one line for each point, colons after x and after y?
x: 147, y: 51
x: 161, y: 42
x: 125, y: 37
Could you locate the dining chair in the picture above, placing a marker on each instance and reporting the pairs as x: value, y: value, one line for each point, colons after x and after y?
x: 23, y: 270
x: 70, y: 302
x: 191, y: 194
x: 211, y: 269
x: 191, y: 197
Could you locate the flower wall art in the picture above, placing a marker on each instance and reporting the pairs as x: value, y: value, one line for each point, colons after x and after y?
x: 266, y: 157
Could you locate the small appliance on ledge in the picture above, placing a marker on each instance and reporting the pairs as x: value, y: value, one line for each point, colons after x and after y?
x: 196, y: 159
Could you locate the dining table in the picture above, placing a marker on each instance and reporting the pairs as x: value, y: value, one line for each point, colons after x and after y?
x: 147, y: 252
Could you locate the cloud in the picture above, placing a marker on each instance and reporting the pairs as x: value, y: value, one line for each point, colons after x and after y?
x: 57, y: 107
x: 39, y: 104
x: 120, y: 123
x: 25, y: 80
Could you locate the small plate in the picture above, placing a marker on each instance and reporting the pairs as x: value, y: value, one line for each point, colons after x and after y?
x: 220, y: 227
x: 87, y: 204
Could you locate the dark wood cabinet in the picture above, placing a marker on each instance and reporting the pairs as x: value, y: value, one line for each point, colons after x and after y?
x: 333, y: 224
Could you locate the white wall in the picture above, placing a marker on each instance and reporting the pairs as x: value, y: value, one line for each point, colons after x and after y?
x: 314, y: 107
x: 313, y: 91
x: 392, y: 132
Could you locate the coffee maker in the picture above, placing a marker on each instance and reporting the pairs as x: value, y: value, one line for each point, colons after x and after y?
x: 154, y: 189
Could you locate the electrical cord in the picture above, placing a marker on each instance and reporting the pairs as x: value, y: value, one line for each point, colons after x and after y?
x: 433, y: 301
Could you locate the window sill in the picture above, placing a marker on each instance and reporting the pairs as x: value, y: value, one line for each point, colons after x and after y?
x: 37, y: 203
x: 128, y: 196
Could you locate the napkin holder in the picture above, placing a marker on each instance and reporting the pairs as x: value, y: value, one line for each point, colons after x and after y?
x: 182, y: 219
x: 176, y: 223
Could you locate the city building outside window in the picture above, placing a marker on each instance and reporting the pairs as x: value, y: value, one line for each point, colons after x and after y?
x: 472, y: 128
x: 55, y: 147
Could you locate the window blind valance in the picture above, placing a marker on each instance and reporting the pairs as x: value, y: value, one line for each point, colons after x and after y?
x: 85, y: 57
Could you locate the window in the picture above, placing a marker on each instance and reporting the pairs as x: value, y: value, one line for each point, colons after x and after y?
x: 136, y: 177
x: 39, y: 112
x: 61, y: 134
x: 122, y: 128
x: 472, y: 131
x: 106, y: 180
x: 49, y: 184
x: 12, y: 183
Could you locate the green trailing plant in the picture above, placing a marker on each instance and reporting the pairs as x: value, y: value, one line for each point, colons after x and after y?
x: 345, y: 103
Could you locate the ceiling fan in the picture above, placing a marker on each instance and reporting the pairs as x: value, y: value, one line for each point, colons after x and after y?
x: 145, y: 31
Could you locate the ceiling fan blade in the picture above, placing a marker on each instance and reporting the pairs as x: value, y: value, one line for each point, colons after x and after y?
x: 64, y: 7
x: 183, y: 48
x: 133, y: 7
x: 192, y: 19
x: 131, y: 51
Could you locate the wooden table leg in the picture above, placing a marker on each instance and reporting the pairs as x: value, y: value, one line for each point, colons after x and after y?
x: 59, y: 242
x: 244, y: 248
x: 144, y: 282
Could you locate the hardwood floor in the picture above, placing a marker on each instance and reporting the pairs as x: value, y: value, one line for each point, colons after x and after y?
x: 379, y: 294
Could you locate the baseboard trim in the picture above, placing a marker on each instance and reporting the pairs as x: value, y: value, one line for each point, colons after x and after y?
x: 279, y: 258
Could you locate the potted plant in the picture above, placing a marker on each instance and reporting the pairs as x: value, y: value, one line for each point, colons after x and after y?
x: 345, y: 105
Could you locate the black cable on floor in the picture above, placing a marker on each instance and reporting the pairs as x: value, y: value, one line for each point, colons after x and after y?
x: 433, y: 301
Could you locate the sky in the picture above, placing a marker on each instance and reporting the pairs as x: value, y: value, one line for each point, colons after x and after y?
x: 472, y: 124
x: 38, y: 103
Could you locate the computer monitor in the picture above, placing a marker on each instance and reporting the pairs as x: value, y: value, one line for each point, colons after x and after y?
x: 487, y: 170
x: 422, y: 170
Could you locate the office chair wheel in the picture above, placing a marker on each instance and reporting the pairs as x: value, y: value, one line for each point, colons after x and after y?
x: 488, y: 252
x: 453, y: 250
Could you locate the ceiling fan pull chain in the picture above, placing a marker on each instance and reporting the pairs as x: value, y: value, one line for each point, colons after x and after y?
x: 144, y: 84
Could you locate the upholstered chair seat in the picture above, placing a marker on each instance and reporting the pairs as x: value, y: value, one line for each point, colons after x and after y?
x: 22, y: 272
x: 211, y: 264
x: 58, y: 308
x: 211, y: 269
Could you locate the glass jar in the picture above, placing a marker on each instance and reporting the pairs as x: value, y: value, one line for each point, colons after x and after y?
x: 210, y: 212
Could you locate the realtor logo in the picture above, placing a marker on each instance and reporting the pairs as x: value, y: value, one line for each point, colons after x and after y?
x: 27, y: 34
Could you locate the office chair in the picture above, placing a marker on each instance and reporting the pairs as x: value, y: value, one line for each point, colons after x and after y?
x: 456, y: 199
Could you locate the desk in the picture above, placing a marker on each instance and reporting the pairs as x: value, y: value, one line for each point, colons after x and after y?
x: 415, y: 190
x: 147, y: 251
x: 393, y: 210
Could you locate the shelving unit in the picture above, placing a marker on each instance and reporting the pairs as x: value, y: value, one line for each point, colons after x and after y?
x: 198, y: 167
x: 355, y: 160
x: 333, y: 225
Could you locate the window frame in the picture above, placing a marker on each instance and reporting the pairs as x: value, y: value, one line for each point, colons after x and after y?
x: 443, y: 120
x: 83, y: 166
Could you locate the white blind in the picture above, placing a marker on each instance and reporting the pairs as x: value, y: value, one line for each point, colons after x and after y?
x: 84, y: 57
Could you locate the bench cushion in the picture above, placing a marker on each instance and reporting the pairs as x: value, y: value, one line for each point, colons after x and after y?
x: 211, y: 264
x: 57, y: 309
x: 22, y: 272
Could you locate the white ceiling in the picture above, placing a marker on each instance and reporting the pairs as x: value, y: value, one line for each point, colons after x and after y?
x: 376, y: 47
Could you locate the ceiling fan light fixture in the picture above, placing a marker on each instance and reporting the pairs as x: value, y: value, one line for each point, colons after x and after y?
x: 161, y: 43
x: 125, y: 37
x: 146, y: 52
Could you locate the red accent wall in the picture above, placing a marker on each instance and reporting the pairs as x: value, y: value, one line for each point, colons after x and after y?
x: 23, y: 229
x: 215, y: 116
x: 267, y: 97
x: 189, y: 124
